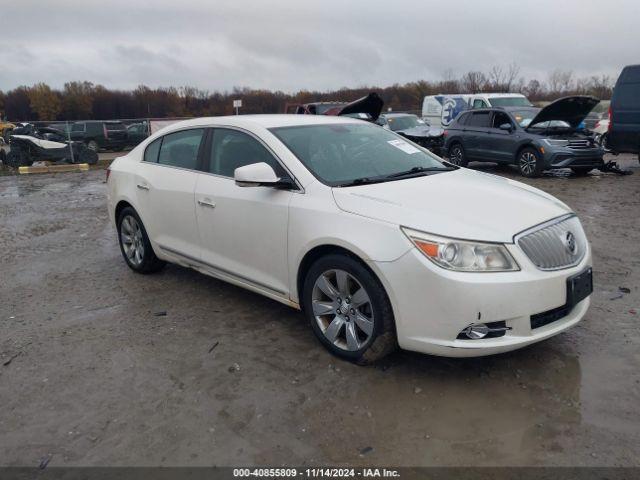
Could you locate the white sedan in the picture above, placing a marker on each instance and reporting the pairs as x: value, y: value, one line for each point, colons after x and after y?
x: 379, y: 242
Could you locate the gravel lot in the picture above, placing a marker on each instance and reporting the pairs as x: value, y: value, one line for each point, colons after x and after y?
x: 100, y: 366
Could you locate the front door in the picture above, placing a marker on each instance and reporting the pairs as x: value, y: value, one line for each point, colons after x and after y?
x: 243, y: 230
x: 501, y: 144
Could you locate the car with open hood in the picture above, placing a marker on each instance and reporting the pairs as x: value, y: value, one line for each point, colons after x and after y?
x: 378, y: 241
x: 366, y: 108
x: 413, y: 128
x: 534, y: 139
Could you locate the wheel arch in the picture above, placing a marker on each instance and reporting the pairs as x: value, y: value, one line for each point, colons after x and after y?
x: 521, y: 147
x: 317, y: 252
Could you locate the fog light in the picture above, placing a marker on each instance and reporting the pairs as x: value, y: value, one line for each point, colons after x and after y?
x: 476, y: 331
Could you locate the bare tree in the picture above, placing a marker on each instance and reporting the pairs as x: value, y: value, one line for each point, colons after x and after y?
x: 560, y: 81
x: 473, y: 82
x: 497, y: 78
x: 510, y: 76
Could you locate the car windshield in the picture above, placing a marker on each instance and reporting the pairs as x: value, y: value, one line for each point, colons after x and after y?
x: 524, y: 117
x: 404, y: 122
x: 510, y: 102
x: 339, y: 154
x: 321, y: 108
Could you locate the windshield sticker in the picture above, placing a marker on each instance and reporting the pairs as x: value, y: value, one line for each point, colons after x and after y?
x: 404, y: 146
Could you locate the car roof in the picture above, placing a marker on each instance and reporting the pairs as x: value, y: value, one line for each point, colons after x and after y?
x: 265, y: 121
x: 399, y: 114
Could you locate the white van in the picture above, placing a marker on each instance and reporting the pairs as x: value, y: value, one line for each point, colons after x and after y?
x: 443, y: 109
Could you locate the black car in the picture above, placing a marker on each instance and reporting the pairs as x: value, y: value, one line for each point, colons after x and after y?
x: 109, y: 135
x: 136, y: 133
x: 534, y: 139
x: 624, y: 121
x: 415, y: 129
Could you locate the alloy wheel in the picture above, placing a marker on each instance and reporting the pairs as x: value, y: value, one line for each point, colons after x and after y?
x: 132, y: 240
x: 342, y: 309
x: 528, y: 163
x: 456, y: 155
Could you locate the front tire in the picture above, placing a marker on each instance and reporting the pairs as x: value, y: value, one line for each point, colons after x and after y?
x: 135, y: 245
x: 530, y: 163
x: 457, y: 155
x: 349, y: 310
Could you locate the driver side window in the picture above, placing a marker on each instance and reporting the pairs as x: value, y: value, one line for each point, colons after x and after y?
x: 500, y: 118
x: 232, y: 149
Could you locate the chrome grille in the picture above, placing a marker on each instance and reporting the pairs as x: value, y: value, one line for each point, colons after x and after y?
x: 548, y: 245
x: 580, y: 144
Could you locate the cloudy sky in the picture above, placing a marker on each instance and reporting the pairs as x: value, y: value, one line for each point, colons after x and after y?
x: 307, y: 44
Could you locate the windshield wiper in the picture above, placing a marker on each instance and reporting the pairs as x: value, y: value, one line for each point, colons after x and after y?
x: 417, y: 170
x: 362, y: 181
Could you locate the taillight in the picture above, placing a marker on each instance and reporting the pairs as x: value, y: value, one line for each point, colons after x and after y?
x: 108, y: 173
x: 106, y: 132
x: 610, y: 120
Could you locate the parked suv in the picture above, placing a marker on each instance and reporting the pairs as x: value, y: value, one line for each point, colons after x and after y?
x: 100, y: 135
x: 532, y: 138
x: 624, y: 124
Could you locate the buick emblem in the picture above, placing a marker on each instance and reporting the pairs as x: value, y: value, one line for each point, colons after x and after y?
x: 570, y: 243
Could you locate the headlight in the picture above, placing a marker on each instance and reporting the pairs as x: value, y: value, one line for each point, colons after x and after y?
x: 463, y: 255
x: 556, y: 143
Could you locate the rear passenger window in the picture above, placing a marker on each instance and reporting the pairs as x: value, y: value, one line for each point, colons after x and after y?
x: 180, y: 149
x: 479, y: 119
x: 232, y: 149
x: 152, y: 151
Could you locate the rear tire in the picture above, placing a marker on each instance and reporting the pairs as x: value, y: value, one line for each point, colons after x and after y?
x: 457, y: 155
x: 135, y: 245
x: 93, y: 145
x: 88, y: 156
x: 17, y: 158
x: 349, y: 310
x: 530, y: 163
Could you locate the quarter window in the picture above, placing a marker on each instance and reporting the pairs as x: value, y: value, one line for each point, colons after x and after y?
x: 479, y: 104
x: 180, y: 149
x: 152, y: 151
x: 479, y: 119
x: 232, y: 149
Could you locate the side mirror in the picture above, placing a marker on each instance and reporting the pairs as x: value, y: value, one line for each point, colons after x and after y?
x: 260, y: 175
x: 506, y: 126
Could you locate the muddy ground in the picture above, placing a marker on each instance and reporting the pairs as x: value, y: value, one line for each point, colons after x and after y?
x: 100, y: 366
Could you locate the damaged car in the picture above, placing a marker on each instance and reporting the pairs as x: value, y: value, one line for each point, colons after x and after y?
x: 534, y: 139
x: 366, y: 108
x: 31, y: 144
x: 415, y: 129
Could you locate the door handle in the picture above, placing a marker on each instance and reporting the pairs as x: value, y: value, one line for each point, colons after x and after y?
x: 142, y: 186
x: 206, y: 203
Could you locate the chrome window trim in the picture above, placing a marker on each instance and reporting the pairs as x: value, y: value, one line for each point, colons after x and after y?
x: 299, y: 187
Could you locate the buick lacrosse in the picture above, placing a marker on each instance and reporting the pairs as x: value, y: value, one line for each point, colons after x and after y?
x: 379, y: 242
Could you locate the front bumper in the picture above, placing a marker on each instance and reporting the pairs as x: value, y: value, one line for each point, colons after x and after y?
x: 567, y: 158
x: 432, y: 305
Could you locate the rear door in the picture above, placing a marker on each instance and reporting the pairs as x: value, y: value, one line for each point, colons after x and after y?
x: 624, y: 135
x: 165, y: 185
x: 476, y: 135
x: 243, y: 230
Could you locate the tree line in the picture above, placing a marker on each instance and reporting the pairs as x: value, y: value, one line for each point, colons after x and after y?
x: 84, y: 100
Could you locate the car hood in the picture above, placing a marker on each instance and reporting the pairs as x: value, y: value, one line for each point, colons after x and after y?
x: 572, y: 110
x: 421, y: 132
x: 371, y: 104
x: 459, y: 204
